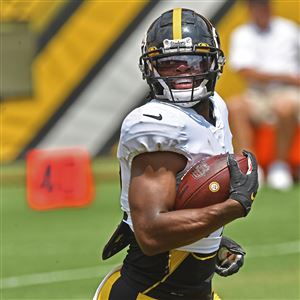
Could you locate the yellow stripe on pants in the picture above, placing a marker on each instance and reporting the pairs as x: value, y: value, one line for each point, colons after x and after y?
x: 105, y: 291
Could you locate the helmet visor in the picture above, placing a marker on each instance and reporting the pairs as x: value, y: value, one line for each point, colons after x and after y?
x: 182, y: 65
x: 183, y: 71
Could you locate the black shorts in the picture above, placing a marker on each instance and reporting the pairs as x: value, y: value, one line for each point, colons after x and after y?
x: 114, y: 287
x: 172, y: 275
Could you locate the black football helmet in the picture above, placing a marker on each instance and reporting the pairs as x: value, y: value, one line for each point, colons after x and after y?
x: 188, y: 43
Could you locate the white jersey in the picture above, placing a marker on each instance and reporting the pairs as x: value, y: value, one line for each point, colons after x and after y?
x: 161, y: 126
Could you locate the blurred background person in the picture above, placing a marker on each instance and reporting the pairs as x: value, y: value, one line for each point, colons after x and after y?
x: 265, y: 52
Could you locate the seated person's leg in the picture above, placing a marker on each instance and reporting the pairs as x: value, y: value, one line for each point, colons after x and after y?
x: 286, y: 110
x: 245, y: 113
x: 240, y: 123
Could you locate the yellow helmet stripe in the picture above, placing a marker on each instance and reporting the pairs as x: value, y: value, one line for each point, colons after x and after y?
x: 177, y: 31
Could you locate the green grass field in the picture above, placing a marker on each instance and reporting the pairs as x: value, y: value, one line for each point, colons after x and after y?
x: 56, y: 254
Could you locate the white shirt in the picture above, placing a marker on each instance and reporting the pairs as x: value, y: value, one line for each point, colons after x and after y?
x: 180, y: 130
x: 275, y: 50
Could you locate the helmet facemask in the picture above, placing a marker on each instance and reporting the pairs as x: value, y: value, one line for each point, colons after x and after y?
x: 183, y: 78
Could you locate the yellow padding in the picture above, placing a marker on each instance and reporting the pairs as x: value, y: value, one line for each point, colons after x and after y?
x: 16, y: 10
x: 62, y: 65
x: 37, y: 13
x: 177, y: 28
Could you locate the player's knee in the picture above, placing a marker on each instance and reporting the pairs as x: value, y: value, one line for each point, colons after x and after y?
x: 236, y: 106
x: 286, y: 109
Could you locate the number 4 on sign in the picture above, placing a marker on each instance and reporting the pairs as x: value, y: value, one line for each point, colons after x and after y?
x: 47, y: 179
x: 59, y: 178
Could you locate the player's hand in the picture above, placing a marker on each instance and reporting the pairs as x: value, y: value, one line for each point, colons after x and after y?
x: 243, y: 188
x: 230, y: 257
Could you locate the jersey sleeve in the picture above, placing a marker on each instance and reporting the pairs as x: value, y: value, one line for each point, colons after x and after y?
x: 224, y: 114
x: 141, y: 134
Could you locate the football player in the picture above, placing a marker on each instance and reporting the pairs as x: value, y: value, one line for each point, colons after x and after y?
x: 173, y: 254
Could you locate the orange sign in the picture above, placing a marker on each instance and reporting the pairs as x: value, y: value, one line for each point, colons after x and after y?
x: 59, y: 178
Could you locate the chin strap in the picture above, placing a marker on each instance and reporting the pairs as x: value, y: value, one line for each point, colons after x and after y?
x: 187, y: 104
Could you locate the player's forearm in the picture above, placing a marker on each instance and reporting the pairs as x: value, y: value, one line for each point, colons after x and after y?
x: 174, y: 229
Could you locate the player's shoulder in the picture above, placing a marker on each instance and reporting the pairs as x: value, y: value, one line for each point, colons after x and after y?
x: 250, y: 28
x: 155, y: 106
x: 154, y: 112
x: 280, y: 21
x: 155, y: 126
x: 242, y: 31
x: 285, y: 25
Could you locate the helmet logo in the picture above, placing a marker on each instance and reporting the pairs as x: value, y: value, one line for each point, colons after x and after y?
x: 200, y: 170
x: 152, y: 51
x: 202, y: 47
x: 182, y: 43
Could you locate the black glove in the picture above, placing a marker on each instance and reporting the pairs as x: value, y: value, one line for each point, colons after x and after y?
x: 243, y: 188
x: 230, y: 257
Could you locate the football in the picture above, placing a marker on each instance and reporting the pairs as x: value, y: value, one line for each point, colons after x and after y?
x: 207, y: 182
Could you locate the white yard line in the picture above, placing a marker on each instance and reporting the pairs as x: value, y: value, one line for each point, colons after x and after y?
x: 292, y: 247
x: 55, y: 276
